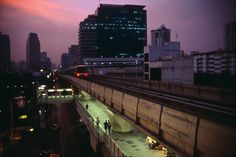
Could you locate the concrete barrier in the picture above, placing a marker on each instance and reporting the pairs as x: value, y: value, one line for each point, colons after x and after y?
x: 164, y: 86
x: 92, y: 88
x: 190, y: 91
x: 210, y: 93
x: 154, y: 85
x: 197, y: 92
x: 228, y: 96
x: 101, y: 90
x: 96, y: 90
x: 89, y: 86
x: 144, y: 84
x: 215, y: 140
x: 179, y: 129
x: 176, y: 89
x: 117, y: 100
x: 185, y: 133
x: 81, y: 83
x: 130, y: 104
x: 149, y: 115
x: 108, y: 95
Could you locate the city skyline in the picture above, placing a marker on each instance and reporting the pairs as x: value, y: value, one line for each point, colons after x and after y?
x: 199, y: 25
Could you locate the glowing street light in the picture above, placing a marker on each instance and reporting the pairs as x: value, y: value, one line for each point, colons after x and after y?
x: 31, y: 129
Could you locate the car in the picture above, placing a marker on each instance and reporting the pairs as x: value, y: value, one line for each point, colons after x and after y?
x: 55, y: 127
x: 16, y: 137
x: 45, y: 153
x: 54, y: 155
x: 49, y: 153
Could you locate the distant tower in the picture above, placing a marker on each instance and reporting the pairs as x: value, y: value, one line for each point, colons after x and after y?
x: 33, y: 52
x: 4, y: 52
x: 113, y: 30
x: 160, y: 36
x: 87, y: 38
x: 45, y: 61
x: 230, y: 36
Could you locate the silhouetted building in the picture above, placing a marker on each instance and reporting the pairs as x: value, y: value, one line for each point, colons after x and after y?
x: 216, y: 68
x: 162, y: 48
x: 22, y: 65
x: 88, y: 38
x: 73, y: 51
x: 33, y: 52
x: 215, y: 62
x: 114, y: 30
x: 122, y: 30
x: 230, y: 36
x: 5, y: 57
x: 66, y: 60
x: 45, y: 62
x: 160, y: 37
x: 43, y: 56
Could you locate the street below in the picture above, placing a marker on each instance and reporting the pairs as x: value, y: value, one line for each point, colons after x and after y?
x: 74, y: 138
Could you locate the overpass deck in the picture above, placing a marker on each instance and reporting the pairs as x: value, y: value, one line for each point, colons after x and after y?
x: 186, y: 133
x: 132, y: 143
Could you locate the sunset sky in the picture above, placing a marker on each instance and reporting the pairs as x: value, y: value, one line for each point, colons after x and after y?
x: 198, y: 23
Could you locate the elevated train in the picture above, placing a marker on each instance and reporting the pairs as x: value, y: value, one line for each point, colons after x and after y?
x: 80, y: 71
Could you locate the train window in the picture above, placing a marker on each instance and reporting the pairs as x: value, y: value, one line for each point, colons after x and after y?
x: 82, y: 69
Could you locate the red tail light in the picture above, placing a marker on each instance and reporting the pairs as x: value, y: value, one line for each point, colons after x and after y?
x: 86, y: 74
x: 77, y: 74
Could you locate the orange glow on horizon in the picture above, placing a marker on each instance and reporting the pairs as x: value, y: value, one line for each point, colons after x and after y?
x: 51, y: 10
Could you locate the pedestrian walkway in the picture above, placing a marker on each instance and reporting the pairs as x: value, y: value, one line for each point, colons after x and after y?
x: 132, y: 143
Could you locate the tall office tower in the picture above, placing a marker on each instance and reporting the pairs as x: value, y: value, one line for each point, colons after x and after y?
x: 230, y: 36
x: 33, y: 52
x: 122, y: 30
x: 114, y: 30
x: 73, y: 50
x: 88, y: 38
x: 160, y: 36
x: 66, y: 60
x: 4, y: 52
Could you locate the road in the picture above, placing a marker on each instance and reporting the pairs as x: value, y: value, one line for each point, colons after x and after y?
x: 74, y: 139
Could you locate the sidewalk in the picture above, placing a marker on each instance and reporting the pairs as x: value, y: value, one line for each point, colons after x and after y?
x: 132, y: 143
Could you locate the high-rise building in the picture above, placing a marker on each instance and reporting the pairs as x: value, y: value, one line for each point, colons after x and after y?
x: 162, y: 48
x: 45, y: 62
x: 33, y: 52
x: 22, y: 65
x: 230, y: 36
x: 70, y: 58
x: 43, y: 56
x: 114, y: 30
x: 65, y: 60
x: 4, y: 52
x: 88, y: 38
x: 215, y: 68
x: 215, y: 62
x: 73, y: 50
x: 160, y: 36
x: 122, y: 30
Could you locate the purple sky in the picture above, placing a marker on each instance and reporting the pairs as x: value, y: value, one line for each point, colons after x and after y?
x: 199, y: 23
